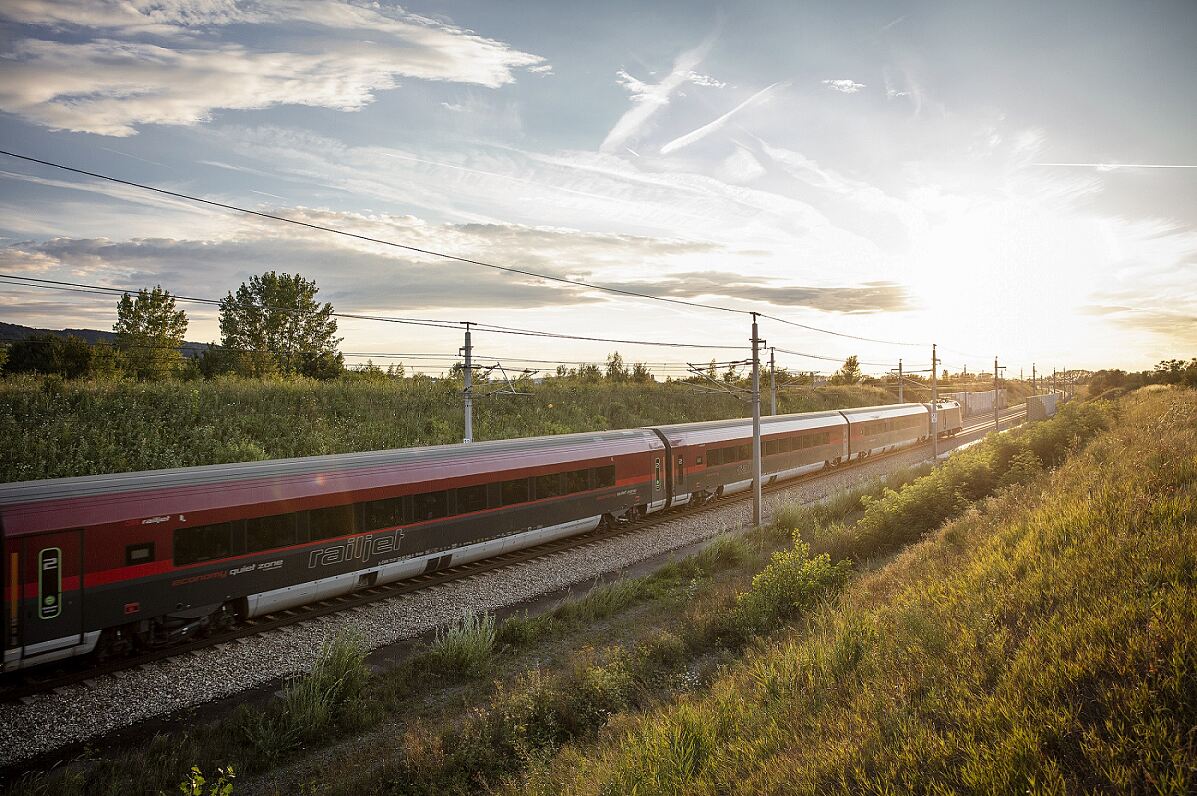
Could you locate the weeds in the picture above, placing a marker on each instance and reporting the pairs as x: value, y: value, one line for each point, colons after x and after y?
x: 466, y: 647
x: 312, y: 704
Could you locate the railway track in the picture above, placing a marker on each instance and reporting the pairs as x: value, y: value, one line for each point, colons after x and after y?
x: 25, y: 685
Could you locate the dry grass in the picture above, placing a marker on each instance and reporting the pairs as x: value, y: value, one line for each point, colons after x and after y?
x: 1043, y: 643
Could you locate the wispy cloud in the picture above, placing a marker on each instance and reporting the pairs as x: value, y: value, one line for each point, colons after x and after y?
x: 160, y: 64
x: 648, y: 98
x: 710, y: 127
x: 844, y: 86
x: 1116, y: 166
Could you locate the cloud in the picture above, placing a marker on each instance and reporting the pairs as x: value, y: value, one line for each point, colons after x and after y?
x: 648, y: 98
x: 710, y: 127
x: 456, y: 107
x: 844, y: 86
x: 356, y: 275
x: 704, y: 80
x: 541, y: 69
x: 121, y: 66
x: 865, y: 298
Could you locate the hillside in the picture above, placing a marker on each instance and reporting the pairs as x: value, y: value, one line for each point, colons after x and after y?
x: 1040, y: 643
x: 53, y: 428
x: 11, y: 332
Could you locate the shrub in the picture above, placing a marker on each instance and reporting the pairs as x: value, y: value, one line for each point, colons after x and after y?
x: 790, y: 584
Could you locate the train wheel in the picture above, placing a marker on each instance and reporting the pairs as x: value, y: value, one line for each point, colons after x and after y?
x: 606, y: 523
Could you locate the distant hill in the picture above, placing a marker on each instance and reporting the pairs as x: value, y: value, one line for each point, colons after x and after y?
x: 11, y: 332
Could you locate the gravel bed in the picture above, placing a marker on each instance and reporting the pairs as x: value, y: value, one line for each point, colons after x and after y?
x: 78, y: 712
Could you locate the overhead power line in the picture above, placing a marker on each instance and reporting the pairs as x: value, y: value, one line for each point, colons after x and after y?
x: 368, y: 238
x: 80, y: 287
x: 434, y: 253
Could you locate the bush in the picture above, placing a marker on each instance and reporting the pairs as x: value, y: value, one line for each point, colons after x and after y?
x: 790, y: 584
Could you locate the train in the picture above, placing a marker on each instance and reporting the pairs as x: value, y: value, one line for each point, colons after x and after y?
x: 105, y: 565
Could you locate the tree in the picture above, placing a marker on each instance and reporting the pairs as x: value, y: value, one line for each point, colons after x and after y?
x: 68, y: 357
x: 641, y: 373
x: 731, y: 376
x: 616, y: 370
x: 276, y: 316
x: 149, y: 333
x: 849, y: 373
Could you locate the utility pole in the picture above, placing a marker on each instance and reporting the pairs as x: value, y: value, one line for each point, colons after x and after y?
x: 995, y: 393
x: 901, y: 395
x: 772, y: 384
x: 1053, y: 381
x: 1033, y: 390
x: 468, y: 392
x: 934, y: 405
x: 756, y: 425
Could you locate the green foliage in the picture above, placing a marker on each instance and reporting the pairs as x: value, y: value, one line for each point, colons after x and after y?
x: 149, y: 333
x: 849, y: 373
x: 328, y: 695
x: 67, y: 357
x: 1042, y: 645
x: 197, y: 785
x: 787, y: 587
x: 85, y: 428
x: 275, y: 323
x: 465, y: 647
x: 901, y: 516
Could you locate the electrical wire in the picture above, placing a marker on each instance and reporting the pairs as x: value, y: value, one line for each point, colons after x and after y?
x: 79, y: 287
x: 434, y: 253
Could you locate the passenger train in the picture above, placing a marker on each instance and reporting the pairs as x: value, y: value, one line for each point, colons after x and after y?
x: 112, y: 563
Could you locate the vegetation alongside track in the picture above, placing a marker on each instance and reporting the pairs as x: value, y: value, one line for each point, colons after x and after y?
x: 56, y: 428
x: 1041, y: 643
x: 609, y: 666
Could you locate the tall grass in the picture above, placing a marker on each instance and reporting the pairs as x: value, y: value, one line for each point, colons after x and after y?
x: 466, y: 646
x: 54, y: 428
x: 311, y: 705
x: 1042, y: 645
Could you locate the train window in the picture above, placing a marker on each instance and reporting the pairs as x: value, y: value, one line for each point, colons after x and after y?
x: 577, y: 481
x: 549, y: 486
x: 386, y: 513
x: 431, y: 505
x: 771, y: 447
x: 139, y: 553
x: 713, y: 457
x: 265, y: 533
x: 604, y: 476
x: 743, y: 453
x: 332, y: 521
x: 515, y: 491
x: 203, y: 543
x: 471, y: 498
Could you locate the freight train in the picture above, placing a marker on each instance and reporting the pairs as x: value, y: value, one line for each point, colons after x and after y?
x: 109, y: 564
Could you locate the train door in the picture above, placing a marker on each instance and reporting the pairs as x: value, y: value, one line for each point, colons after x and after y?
x: 51, y: 574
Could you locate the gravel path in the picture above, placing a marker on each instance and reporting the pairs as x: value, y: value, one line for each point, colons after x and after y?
x: 75, y: 713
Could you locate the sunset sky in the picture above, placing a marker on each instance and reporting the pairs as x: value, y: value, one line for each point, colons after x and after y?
x: 1017, y: 179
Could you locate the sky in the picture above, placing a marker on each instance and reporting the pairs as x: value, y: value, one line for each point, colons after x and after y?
x: 1003, y: 179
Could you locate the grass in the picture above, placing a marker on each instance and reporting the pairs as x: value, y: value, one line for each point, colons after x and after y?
x: 1042, y: 643
x: 58, y: 429
x: 466, y: 647
x: 564, y: 678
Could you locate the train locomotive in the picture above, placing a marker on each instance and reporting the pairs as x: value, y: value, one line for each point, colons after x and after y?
x: 111, y: 563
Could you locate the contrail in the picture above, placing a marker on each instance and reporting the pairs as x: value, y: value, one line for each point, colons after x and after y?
x: 1113, y: 166
x: 710, y: 127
